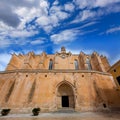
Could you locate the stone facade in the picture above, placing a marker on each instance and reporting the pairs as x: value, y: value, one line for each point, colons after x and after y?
x: 115, y: 71
x: 57, y: 81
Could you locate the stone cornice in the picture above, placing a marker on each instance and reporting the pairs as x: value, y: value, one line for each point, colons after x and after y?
x: 52, y: 71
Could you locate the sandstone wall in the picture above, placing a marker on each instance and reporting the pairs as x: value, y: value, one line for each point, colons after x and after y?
x: 60, y: 61
x: 40, y: 89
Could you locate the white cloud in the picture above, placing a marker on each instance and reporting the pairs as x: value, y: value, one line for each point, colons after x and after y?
x: 87, y: 14
x: 62, y: 15
x: 84, y: 15
x: 69, y: 35
x: 94, y: 3
x: 54, y: 20
x: 84, y: 3
x: 58, y: 12
x: 56, y: 2
x: 44, y: 4
x: 27, y: 14
x: 48, y: 22
x: 27, y: 11
x: 88, y: 24
x: 55, y: 9
x: 49, y: 17
x: 112, y: 30
x: 30, y: 1
x: 103, y: 3
x: 4, y: 27
x: 4, y: 42
x: 38, y: 10
x: 43, y: 20
x: 48, y: 28
x: 21, y: 33
x: 69, y: 7
x: 4, y: 60
x: 35, y: 42
x: 64, y: 36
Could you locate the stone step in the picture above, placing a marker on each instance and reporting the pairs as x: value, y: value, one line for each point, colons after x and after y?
x: 65, y: 110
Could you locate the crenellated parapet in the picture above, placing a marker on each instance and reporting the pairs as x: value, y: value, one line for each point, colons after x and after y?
x: 15, y: 62
x: 59, y: 60
x: 97, y: 63
x: 82, y: 60
x: 105, y: 62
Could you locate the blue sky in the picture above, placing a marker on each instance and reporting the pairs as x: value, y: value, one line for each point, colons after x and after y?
x: 46, y: 25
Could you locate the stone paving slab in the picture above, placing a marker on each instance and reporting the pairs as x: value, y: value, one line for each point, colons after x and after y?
x: 65, y: 116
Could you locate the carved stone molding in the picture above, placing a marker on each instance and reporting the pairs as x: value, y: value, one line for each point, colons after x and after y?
x: 63, y: 54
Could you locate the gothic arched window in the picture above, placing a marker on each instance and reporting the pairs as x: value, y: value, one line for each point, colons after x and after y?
x: 50, y: 64
x: 88, y: 64
x: 76, y: 64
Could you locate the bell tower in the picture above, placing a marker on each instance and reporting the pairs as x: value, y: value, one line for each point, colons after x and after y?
x: 63, y: 50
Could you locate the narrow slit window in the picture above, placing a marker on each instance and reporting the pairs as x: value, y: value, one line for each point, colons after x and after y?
x: 76, y: 65
x: 88, y: 64
x: 50, y: 64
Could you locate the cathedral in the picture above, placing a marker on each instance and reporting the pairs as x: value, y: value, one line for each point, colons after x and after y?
x: 58, y: 81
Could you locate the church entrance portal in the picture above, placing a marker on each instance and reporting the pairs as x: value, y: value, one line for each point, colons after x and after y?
x: 65, y: 96
x: 65, y: 101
